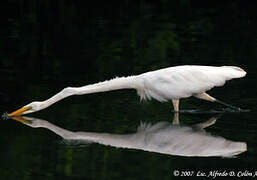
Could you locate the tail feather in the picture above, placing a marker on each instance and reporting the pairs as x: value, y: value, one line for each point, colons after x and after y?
x: 237, y: 72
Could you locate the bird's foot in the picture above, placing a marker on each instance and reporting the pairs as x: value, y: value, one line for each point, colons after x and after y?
x: 212, y: 111
x: 197, y: 111
x: 235, y: 110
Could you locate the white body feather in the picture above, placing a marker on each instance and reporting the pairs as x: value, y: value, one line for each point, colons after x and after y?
x: 184, y: 81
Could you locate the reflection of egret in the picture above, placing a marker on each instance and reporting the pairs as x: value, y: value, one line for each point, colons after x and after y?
x: 161, y: 137
x: 166, y: 84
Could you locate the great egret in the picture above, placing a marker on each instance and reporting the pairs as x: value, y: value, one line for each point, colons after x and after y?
x: 171, y: 83
x: 162, y: 137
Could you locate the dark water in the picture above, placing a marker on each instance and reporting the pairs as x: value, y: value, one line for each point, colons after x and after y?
x: 47, y: 46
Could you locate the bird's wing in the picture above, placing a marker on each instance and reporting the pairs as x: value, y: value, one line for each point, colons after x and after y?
x: 184, y: 81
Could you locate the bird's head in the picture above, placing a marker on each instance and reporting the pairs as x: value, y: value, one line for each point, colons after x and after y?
x: 29, y: 108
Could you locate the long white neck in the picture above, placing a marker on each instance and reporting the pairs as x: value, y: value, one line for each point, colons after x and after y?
x: 130, y: 82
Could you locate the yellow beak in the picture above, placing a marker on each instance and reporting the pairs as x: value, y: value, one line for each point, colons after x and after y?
x: 19, y: 112
x: 21, y: 119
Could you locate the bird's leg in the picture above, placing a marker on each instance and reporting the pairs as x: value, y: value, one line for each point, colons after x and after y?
x: 175, y: 119
x: 207, y: 97
x: 175, y: 103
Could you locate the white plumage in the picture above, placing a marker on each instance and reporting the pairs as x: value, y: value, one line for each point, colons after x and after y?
x: 184, y: 81
x: 171, y: 83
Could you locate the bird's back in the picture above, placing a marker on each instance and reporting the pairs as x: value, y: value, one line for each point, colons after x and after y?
x: 184, y: 81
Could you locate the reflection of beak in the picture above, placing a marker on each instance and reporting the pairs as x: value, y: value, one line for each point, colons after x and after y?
x: 20, y: 111
x: 21, y: 119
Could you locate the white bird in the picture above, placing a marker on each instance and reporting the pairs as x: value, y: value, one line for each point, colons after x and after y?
x: 166, y: 84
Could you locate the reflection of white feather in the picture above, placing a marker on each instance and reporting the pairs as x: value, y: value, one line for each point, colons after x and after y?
x: 185, y: 141
x: 161, y: 137
x: 145, y: 127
